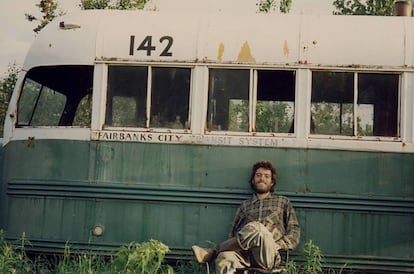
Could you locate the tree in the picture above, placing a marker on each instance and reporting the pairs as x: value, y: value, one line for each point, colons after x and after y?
x: 7, y: 84
x: 49, y: 9
x: 266, y: 6
x: 367, y: 7
x: 112, y: 4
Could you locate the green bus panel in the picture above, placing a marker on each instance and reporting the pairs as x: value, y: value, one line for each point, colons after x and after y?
x: 357, y: 206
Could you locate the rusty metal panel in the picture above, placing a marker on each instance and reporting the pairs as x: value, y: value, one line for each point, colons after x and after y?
x: 224, y: 38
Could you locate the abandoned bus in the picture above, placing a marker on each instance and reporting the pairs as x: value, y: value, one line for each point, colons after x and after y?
x: 131, y: 125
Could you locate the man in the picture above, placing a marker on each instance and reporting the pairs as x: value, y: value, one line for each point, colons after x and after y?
x: 263, y: 225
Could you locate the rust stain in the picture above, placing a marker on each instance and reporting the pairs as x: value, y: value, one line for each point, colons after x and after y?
x: 220, y: 52
x: 286, y: 49
x: 245, y: 54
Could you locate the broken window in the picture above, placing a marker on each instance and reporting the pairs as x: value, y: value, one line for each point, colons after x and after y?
x: 275, y: 105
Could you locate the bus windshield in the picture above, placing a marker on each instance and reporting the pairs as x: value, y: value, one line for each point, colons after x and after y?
x: 56, y: 96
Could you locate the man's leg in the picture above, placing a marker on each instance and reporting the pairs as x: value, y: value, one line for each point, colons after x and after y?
x: 204, y: 255
x: 228, y: 261
x: 253, y: 237
x: 257, y: 238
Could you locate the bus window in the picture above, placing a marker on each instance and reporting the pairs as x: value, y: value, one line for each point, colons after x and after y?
x: 275, y: 101
x: 127, y: 97
x: 51, y: 96
x: 333, y: 110
x: 332, y: 103
x: 170, y: 97
x: 228, y: 102
x: 377, y: 106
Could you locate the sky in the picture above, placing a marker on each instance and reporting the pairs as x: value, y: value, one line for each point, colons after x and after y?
x: 16, y: 33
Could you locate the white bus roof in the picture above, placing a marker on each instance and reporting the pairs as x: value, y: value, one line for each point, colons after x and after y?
x: 255, y: 39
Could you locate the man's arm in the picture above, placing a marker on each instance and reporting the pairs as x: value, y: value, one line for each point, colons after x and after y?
x: 292, y: 230
x: 236, y: 223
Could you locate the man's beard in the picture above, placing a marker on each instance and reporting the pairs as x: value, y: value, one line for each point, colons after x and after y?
x: 261, y: 190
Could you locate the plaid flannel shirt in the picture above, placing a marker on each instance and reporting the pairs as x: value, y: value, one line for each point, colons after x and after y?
x: 275, y: 213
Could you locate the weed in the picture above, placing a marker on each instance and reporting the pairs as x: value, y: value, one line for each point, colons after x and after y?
x: 86, y: 263
x: 13, y: 258
x: 313, y: 258
x: 145, y: 258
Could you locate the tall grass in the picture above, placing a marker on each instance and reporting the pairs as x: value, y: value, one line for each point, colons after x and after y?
x: 313, y: 262
x: 13, y: 258
x: 143, y: 258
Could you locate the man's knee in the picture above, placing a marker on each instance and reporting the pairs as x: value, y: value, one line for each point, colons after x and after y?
x: 255, y: 226
x: 254, y: 234
x: 227, y: 256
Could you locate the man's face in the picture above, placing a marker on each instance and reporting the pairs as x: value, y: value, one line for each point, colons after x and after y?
x: 262, y: 182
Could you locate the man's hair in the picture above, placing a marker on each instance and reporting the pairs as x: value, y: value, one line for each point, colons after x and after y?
x: 266, y: 165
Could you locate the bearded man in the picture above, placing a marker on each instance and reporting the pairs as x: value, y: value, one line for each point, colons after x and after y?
x: 263, y: 225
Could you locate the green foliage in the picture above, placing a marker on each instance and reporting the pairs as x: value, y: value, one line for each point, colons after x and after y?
x: 270, y: 116
x: 145, y: 258
x: 368, y: 7
x: 313, y: 256
x: 13, y: 258
x: 112, y: 4
x: 267, y: 6
x: 312, y: 264
x: 291, y: 268
x: 49, y: 9
x: 332, y: 118
x: 238, y: 115
x: 273, y: 117
x: 73, y: 263
x: 7, y: 84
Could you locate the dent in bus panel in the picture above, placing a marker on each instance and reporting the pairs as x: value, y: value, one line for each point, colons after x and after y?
x: 127, y: 97
x: 376, y: 108
x: 56, y: 96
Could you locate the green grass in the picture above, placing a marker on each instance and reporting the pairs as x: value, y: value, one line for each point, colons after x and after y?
x: 143, y: 258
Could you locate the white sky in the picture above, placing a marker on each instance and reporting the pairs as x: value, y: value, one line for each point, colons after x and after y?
x: 16, y: 33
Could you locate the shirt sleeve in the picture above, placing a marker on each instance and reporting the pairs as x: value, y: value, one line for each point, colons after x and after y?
x: 236, y: 222
x: 291, y: 238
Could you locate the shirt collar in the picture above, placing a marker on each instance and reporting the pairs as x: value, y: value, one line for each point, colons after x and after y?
x: 255, y: 199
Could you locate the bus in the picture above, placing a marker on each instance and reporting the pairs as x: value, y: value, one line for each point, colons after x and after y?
x: 135, y: 125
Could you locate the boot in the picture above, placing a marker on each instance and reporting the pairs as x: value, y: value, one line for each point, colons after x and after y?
x: 202, y: 254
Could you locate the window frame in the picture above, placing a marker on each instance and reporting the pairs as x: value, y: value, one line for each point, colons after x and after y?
x: 50, y: 83
x: 355, y: 135
x: 149, y: 91
x: 253, y: 86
